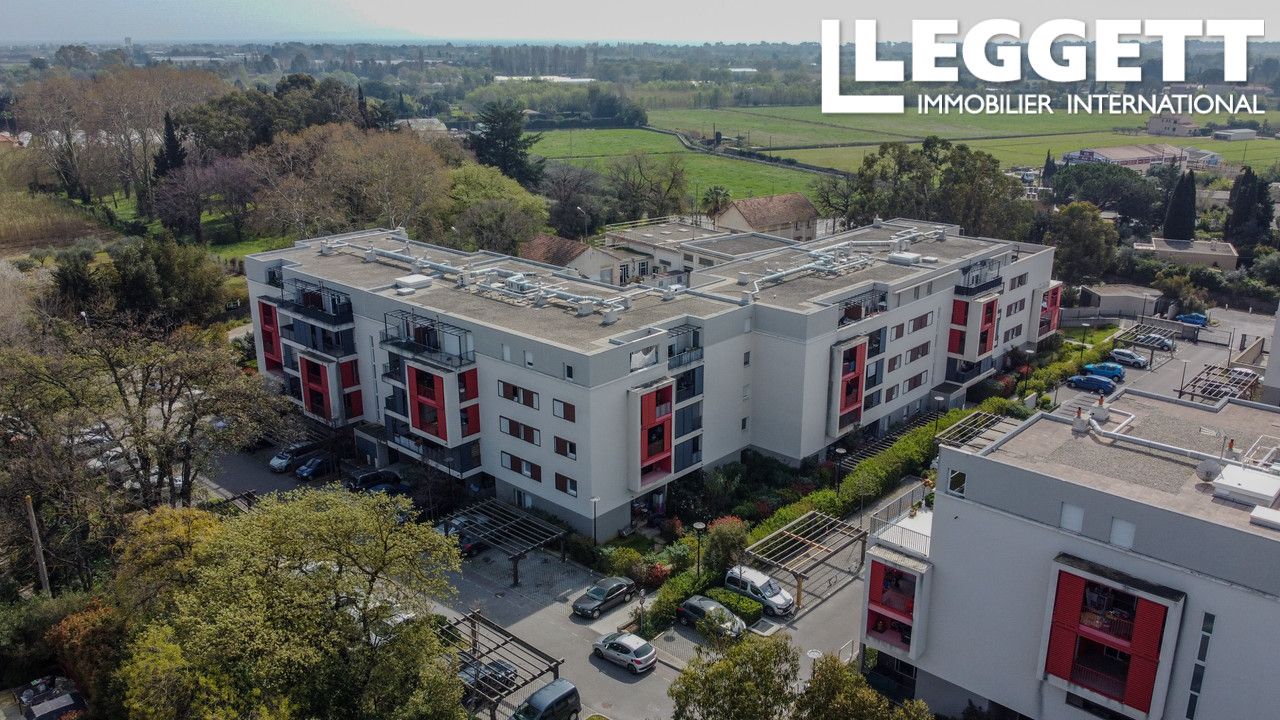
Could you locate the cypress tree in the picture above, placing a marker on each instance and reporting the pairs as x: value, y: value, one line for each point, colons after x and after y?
x: 1050, y: 168
x: 1249, y: 213
x: 172, y: 154
x: 362, y: 106
x: 1180, y: 219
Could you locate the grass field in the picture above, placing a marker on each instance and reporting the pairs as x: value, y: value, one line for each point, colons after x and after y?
x: 29, y: 221
x: 594, y: 148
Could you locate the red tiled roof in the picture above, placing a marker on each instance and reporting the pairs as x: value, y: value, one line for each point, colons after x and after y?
x: 775, y: 209
x: 552, y: 249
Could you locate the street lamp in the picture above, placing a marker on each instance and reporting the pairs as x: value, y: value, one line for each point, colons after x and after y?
x: 699, y: 528
x: 594, y: 499
x: 1084, y: 331
x: 584, y: 220
x: 940, y: 400
x: 1183, y: 383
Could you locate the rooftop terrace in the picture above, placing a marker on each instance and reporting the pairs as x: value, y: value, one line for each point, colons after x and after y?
x: 1165, y: 477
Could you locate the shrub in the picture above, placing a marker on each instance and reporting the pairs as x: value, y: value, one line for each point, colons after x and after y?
x: 726, y: 538
x: 627, y: 562
x: 582, y: 550
x: 674, y: 591
x: 744, y: 607
x: 672, y: 529
x: 655, y: 575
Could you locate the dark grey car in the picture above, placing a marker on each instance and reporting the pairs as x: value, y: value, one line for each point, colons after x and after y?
x: 605, y: 594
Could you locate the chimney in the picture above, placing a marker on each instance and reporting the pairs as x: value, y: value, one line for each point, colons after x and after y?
x: 1080, y: 425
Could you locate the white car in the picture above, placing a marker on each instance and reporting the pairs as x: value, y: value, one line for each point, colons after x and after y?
x: 630, y: 651
x: 1243, y: 374
x: 752, y: 583
x: 1128, y: 357
x: 1155, y: 340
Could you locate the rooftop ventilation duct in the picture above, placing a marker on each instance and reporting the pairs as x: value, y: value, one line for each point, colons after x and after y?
x: 743, y: 279
x: 413, y: 281
x: 404, y: 291
x: 326, y: 248
x: 610, y: 317
x: 747, y: 298
x: 370, y: 255
x: 904, y: 258
x: 930, y: 259
x: 1100, y: 413
x: 585, y: 308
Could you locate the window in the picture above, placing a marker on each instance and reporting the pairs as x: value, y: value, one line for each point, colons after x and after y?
x: 519, y: 430
x: 522, y: 466
x: 1122, y: 532
x: 641, y: 359
x: 688, y: 257
x: 746, y: 358
x: 1093, y: 708
x: 515, y: 393
x: 917, y: 352
x: 895, y: 362
x: 567, y: 448
x: 1013, y: 332
x: 916, y: 381
x: 566, y: 485
x: 506, y: 352
x: 643, y: 267
x: 921, y: 322
x: 897, y: 332
x: 528, y: 359
x: 564, y: 410
x: 705, y: 262
x: 1206, y: 626
x: 1018, y: 281
x: 955, y: 483
x: 891, y: 393
x: 746, y: 391
x: 744, y: 423
x: 1072, y: 518
x: 1015, y: 308
x: 568, y: 372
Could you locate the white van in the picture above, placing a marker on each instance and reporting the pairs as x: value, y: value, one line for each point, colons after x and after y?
x: 754, y: 584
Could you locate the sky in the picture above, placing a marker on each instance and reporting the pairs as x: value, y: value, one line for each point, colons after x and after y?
x: 65, y: 21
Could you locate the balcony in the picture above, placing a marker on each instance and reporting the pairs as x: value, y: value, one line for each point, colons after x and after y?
x: 662, y: 410
x: 393, y: 373
x: 398, y: 406
x: 1111, y: 623
x: 1105, y: 676
x: 905, y: 523
x: 427, y: 339
x: 894, y: 633
x: 337, y: 314
x: 978, y: 286
x: 426, y: 353
x: 684, y: 357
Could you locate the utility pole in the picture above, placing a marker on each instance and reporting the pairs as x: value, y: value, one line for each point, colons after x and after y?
x: 39, y: 548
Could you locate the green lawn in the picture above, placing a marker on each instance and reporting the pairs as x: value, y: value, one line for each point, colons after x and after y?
x: 249, y: 246
x: 744, y: 178
x: 1091, y: 335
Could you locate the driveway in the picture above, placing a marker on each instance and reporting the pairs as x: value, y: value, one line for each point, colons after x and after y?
x: 538, y: 611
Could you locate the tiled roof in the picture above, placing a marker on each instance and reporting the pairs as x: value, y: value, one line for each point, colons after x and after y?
x: 552, y: 249
x: 776, y: 209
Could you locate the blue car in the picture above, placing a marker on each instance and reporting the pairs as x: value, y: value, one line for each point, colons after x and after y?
x: 1199, y: 319
x: 1094, y: 383
x: 1114, y: 371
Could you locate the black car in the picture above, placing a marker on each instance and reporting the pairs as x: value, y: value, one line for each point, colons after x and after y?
x: 364, y: 481
x: 607, y: 593
x: 394, y: 489
x: 469, y: 530
x: 484, y: 679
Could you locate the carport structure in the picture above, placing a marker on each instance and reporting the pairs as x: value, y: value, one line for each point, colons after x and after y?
x: 493, y: 663
x: 804, y: 543
x: 1215, y: 383
x: 507, y: 529
x: 1149, y: 338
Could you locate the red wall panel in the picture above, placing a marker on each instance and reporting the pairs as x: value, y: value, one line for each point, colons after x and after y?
x: 1069, y: 600
x: 1062, y: 651
x: 877, y: 581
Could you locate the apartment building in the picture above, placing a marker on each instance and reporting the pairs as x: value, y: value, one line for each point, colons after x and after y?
x: 1123, y: 563
x: 559, y: 389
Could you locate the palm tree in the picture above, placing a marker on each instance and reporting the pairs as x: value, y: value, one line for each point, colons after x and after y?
x: 715, y: 200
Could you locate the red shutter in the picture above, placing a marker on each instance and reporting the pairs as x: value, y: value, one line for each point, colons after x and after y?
x: 1140, y: 683
x: 959, y: 312
x: 1061, y: 653
x: 1148, y: 629
x: 1070, y: 599
x: 562, y: 483
x: 877, y: 581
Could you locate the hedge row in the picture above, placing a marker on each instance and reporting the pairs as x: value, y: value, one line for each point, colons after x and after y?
x: 744, y: 607
x: 674, y: 591
x: 1045, y: 379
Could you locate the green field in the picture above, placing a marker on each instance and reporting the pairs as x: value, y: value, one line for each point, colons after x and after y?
x: 744, y: 178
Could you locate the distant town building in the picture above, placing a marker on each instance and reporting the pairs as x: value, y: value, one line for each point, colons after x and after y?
x: 790, y: 215
x: 424, y: 127
x: 1120, y: 299
x: 1172, y: 125
x: 1206, y: 199
x: 1191, y: 253
x: 1235, y: 134
x: 1141, y: 157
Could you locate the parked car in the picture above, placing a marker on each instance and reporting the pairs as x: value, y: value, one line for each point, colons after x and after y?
x: 1094, y: 383
x: 369, y: 479
x: 692, y: 611
x: 316, y: 467
x: 630, y: 651
x: 605, y: 594
x: 470, y: 530
x: 394, y: 489
x: 1243, y: 374
x: 291, y: 457
x: 752, y: 583
x: 1128, y: 357
x: 1198, y: 319
x: 557, y: 700
x: 1157, y: 341
x: 1114, y: 371
x: 483, y: 679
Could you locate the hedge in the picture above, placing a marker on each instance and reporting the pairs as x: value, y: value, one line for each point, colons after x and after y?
x: 674, y: 591
x: 744, y: 607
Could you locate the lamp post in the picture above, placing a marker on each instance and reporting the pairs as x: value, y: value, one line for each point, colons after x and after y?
x: 1182, y: 383
x: 594, y: 539
x: 699, y: 528
x: 940, y: 400
x: 840, y: 453
x: 1084, y: 331
x: 585, y: 219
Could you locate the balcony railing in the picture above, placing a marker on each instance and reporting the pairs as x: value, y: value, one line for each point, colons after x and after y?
x: 393, y: 373
x: 339, y: 315
x: 1108, y: 623
x: 397, y: 406
x: 979, y: 286
x: 1101, y: 682
x: 685, y: 357
x: 433, y: 355
x: 662, y: 410
x: 890, y: 523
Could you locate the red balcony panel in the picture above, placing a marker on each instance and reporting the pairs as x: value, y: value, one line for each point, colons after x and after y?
x: 353, y: 404
x: 1062, y: 651
x: 1140, y: 683
x: 426, y: 391
x: 959, y: 312
x: 655, y: 441
x: 955, y: 341
x: 1069, y: 600
x: 889, y: 630
x: 468, y: 386
x: 270, y: 327
x: 349, y: 373
x: 655, y: 405
x: 876, y: 590
x: 470, y: 420
x: 1148, y: 629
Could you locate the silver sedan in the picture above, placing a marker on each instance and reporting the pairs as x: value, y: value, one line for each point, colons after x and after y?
x: 630, y: 651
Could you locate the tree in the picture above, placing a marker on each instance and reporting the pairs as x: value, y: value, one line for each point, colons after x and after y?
x: 650, y: 186
x: 233, y: 185
x: 837, y: 689
x: 580, y: 202
x: 1180, y: 217
x: 726, y: 539
x: 315, y: 604
x: 182, y: 198
x: 166, y: 283
x: 300, y: 64
x: 1250, y: 213
x: 836, y: 196
x: 172, y: 154
x: 715, y: 199
x: 1084, y: 241
x: 1109, y: 187
x: 1049, y: 170
x: 751, y: 679
x: 501, y: 142
x: 497, y: 225
x: 158, y: 558
x: 472, y: 184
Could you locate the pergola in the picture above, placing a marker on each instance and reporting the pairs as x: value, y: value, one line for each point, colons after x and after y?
x: 507, y: 529
x: 489, y: 647
x: 977, y: 431
x: 1215, y: 383
x: 803, y: 543
x: 1142, y: 337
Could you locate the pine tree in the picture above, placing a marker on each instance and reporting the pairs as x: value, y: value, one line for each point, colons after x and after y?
x: 173, y: 154
x: 1050, y: 168
x: 1180, y: 218
x: 1249, y: 213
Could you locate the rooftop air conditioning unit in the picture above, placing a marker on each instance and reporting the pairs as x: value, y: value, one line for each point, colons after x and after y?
x: 413, y: 282
x: 904, y: 258
x: 610, y: 316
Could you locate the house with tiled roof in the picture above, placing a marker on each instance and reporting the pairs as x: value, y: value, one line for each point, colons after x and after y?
x: 589, y: 261
x: 790, y: 215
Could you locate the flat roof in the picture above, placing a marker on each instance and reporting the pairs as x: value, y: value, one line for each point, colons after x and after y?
x: 667, y: 232
x: 1156, y: 477
x: 739, y: 243
x: 816, y: 289
x: 1204, y: 247
x: 556, y: 321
